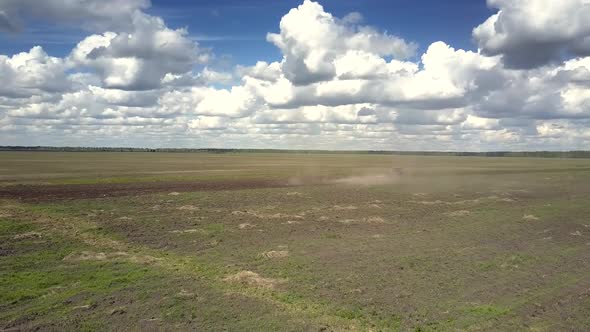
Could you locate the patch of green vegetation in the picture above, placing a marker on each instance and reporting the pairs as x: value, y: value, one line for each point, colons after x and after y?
x: 332, y: 236
x: 10, y: 227
x: 487, y: 266
x: 350, y: 313
x: 289, y: 297
x: 36, y: 281
x: 413, y: 262
x: 508, y: 262
x: 215, y: 230
x: 487, y: 311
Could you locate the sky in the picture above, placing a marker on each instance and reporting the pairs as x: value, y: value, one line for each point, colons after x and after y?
x: 463, y: 75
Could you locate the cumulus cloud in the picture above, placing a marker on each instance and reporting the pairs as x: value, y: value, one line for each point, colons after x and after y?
x: 338, y: 84
x: 531, y: 33
x: 311, y: 39
x: 139, y: 59
x: 91, y: 14
x: 209, y: 123
x: 443, y: 82
x: 344, y: 114
x: 29, y: 73
x: 205, y: 77
x: 559, y: 93
x: 262, y: 71
x: 234, y: 103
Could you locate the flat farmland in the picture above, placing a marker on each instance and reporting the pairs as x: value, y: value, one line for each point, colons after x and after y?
x: 293, y: 242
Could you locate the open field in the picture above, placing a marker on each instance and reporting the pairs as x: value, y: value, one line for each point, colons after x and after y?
x: 287, y: 242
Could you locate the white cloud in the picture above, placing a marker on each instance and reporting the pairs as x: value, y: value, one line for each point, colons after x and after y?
x: 205, y: 77
x: 33, y: 72
x: 139, y: 59
x: 311, y: 39
x: 530, y: 33
x: 338, y: 85
x: 91, y: 14
x: 473, y: 122
x: 444, y: 81
x: 208, y: 123
x: 237, y: 102
x: 317, y: 114
x: 438, y: 117
x: 262, y: 71
x: 234, y: 103
x: 559, y: 93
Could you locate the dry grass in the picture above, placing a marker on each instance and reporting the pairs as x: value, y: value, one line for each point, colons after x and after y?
x: 27, y: 235
x: 252, y: 279
x: 530, y: 217
x: 275, y: 254
x: 189, y: 208
x: 459, y: 213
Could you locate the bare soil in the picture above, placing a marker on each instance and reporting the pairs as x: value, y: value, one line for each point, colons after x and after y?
x: 50, y: 193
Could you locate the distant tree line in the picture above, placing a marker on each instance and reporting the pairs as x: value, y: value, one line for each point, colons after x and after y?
x: 536, y: 154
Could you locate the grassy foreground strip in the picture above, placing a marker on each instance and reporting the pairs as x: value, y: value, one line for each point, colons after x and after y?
x: 72, y: 256
x: 381, y: 243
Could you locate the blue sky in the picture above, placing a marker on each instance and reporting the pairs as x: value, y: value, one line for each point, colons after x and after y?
x: 236, y: 29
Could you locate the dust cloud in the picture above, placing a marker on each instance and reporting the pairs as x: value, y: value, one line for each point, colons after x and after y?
x: 368, y: 180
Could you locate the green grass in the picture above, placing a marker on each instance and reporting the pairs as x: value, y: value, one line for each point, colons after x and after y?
x: 487, y: 311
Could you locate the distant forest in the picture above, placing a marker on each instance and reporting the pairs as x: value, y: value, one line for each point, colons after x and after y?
x: 538, y: 154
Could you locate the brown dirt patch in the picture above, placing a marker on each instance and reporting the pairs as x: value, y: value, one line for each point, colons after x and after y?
x: 47, y: 193
x: 368, y: 180
x: 460, y: 213
x: 253, y: 279
x: 439, y: 202
x: 185, y: 231
x: 374, y: 220
x: 367, y: 220
x: 347, y: 221
x: 275, y: 254
x: 28, y: 235
x: 530, y: 217
x: 344, y: 207
x: 85, y: 256
x: 5, y: 214
x: 185, y: 293
x: 101, y: 256
x: 189, y: 208
x: 266, y: 216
